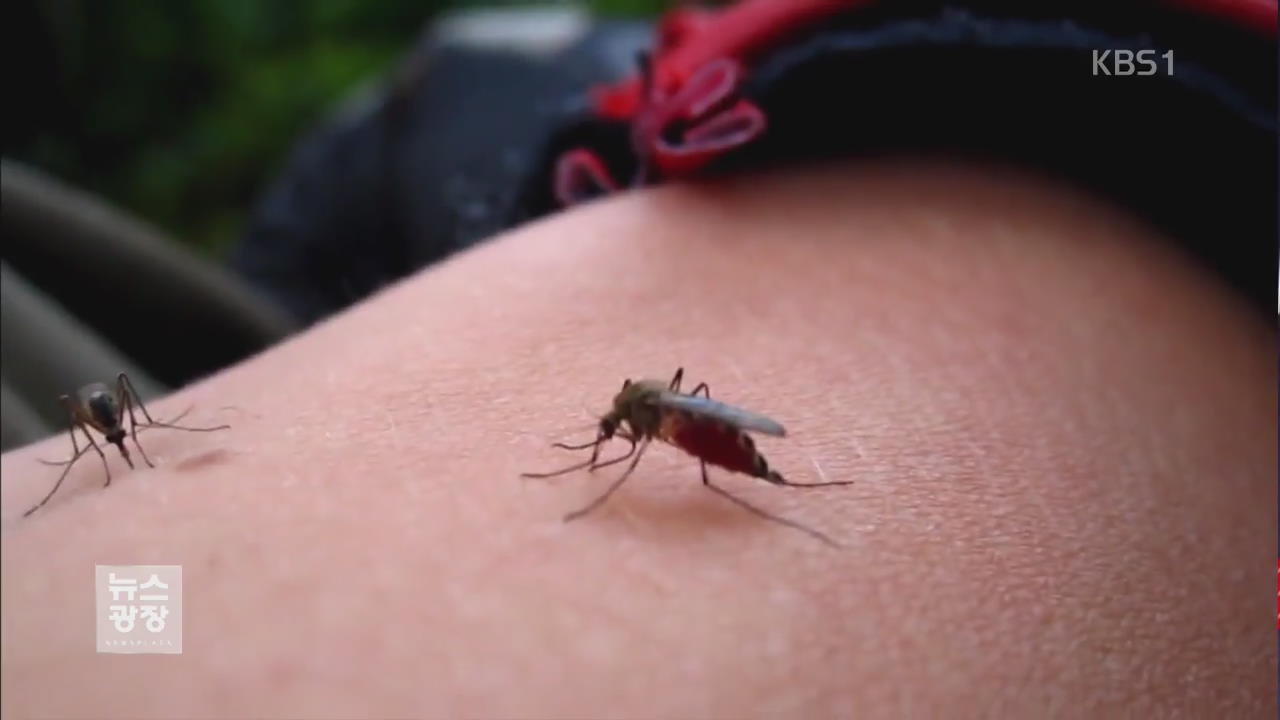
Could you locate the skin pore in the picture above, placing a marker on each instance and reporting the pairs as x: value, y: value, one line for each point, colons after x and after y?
x: 1062, y: 432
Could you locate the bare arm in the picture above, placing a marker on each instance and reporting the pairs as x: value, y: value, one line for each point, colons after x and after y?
x: 1062, y: 433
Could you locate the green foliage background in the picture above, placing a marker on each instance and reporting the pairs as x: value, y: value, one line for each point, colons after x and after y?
x: 181, y: 111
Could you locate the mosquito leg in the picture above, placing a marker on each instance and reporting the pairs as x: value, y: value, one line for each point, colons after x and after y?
x: 58, y: 484
x: 761, y: 513
x: 594, y: 444
x: 583, y: 446
x: 73, y: 422
x: 675, y: 381
x: 625, y: 436
x: 615, y: 461
x: 101, y: 454
x: 590, y: 463
x: 144, y: 428
x: 699, y: 388
x: 175, y: 418
x: 777, y: 479
x: 77, y: 421
x: 595, y: 451
x: 126, y: 386
x: 128, y: 397
x: 564, y: 471
x: 126, y: 383
x: 616, y: 484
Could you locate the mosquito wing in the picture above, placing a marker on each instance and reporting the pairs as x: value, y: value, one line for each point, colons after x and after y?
x: 706, y: 407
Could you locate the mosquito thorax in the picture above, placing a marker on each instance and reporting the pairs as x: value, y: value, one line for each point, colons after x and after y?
x: 633, y: 404
x: 608, y: 425
x: 635, y: 393
x: 104, y: 408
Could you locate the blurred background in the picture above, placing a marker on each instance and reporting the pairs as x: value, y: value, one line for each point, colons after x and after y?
x: 179, y: 112
x: 187, y: 183
x: 146, y: 140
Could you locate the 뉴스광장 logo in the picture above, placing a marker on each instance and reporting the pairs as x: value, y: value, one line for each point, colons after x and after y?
x: 139, y: 608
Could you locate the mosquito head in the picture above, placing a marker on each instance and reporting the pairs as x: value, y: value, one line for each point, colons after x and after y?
x: 116, y: 437
x: 608, y: 425
x: 623, y: 409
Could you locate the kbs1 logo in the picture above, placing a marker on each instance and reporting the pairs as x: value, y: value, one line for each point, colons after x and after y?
x: 1123, y: 62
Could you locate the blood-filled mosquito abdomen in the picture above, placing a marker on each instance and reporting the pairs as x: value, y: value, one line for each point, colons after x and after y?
x: 712, y: 441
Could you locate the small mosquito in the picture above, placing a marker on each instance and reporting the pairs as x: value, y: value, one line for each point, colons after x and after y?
x: 96, y: 406
x: 709, y: 430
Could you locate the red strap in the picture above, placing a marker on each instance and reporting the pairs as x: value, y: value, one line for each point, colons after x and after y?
x: 684, y: 110
x: 688, y: 39
x: 703, y: 119
x: 1256, y: 15
x: 581, y: 176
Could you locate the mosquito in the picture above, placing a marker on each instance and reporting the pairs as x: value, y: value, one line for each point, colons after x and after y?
x: 707, y: 429
x: 96, y: 406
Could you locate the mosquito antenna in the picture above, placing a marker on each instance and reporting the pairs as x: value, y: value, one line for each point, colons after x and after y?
x: 616, y: 483
x: 583, y: 446
x: 182, y: 414
x: 593, y: 426
x: 591, y: 462
x: 571, y: 468
x: 599, y: 439
x: 151, y: 422
x: 169, y: 423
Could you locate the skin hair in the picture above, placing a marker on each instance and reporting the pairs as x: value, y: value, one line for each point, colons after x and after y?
x: 1062, y: 434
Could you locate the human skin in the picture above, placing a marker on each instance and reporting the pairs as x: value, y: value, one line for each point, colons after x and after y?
x: 1061, y: 432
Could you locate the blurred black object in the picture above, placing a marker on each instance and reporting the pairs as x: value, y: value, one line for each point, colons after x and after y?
x: 458, y: 145
x: 462, y: 145
x: 434, y: 162
x: 89, y: 292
